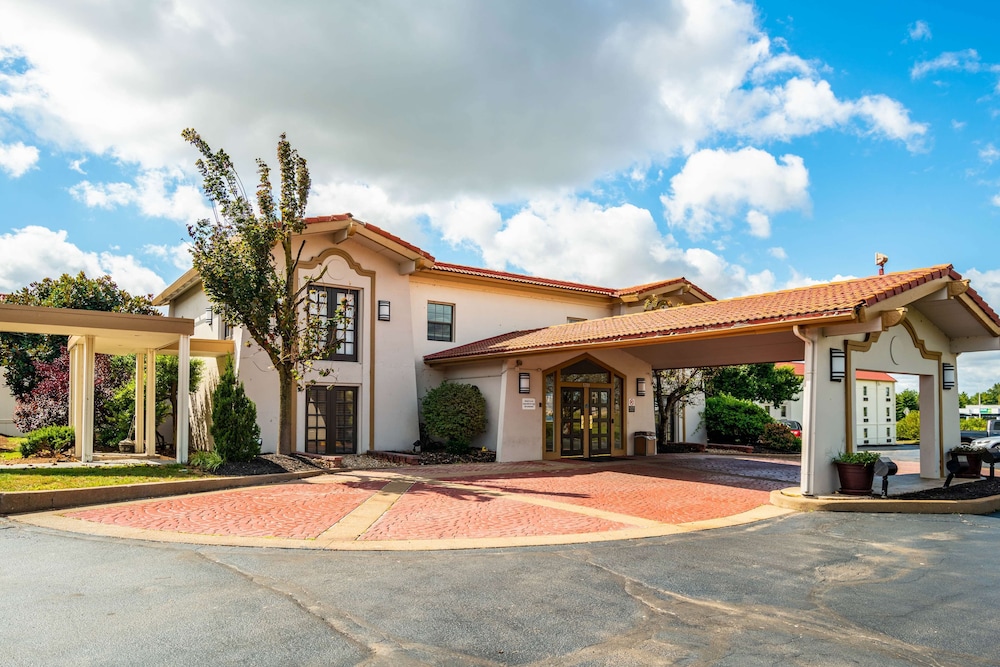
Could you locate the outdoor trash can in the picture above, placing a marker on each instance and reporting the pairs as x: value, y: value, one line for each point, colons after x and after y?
x: 645, y: 443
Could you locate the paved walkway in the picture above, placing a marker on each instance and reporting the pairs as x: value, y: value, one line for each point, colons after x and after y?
x: 464, y: 506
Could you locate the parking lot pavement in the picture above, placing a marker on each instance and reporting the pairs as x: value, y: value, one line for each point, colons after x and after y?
x: 800, y: 589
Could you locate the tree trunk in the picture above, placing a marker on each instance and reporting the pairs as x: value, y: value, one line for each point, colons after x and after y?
x: 286, y: 391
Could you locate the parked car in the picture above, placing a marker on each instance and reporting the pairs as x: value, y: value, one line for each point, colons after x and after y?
x: 795, y: 427
x: 992, y: 431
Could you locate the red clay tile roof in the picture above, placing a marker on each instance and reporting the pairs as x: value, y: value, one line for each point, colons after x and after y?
x: 340, y: 217
x: 829, y: 301
x: 798, y: 368
x: 518, y: 278
x: 504, y: 275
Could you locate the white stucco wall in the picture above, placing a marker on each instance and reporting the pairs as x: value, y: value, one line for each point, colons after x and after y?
x: 7, y: 405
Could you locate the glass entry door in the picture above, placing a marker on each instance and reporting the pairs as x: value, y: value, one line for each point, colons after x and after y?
x: 571, y: 421
x: 585, y: 423
x: 600, y: 422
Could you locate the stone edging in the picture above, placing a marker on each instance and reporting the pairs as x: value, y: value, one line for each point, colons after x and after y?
x: 792, y: 499
x: 17, y: 502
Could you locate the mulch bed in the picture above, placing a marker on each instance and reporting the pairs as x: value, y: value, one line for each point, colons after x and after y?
x: 270, y: 464
x: 970, y: 491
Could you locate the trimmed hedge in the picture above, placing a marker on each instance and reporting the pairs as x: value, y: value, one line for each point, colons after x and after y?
x: 734, y: 421
x: 49, y: 440
x: 779, y: 437
x: 455, y: 413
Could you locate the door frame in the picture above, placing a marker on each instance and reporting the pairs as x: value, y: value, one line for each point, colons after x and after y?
x: 552, y: 388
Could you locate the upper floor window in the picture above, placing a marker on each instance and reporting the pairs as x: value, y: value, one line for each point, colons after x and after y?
x: 323, y: 303
x: 440, y: 321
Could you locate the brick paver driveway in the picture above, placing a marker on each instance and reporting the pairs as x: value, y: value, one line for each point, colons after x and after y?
x: 460, y: 506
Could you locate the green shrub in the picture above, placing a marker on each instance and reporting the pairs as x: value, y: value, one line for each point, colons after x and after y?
x: 908, y: 428
x: 49, y: 441
x: 234, y: 419
x: 734, y: 421
x: 779, y: 437
x: 455, y: 413
x: 972, y: 424
x: 206, y: 460
x: 864, y: 458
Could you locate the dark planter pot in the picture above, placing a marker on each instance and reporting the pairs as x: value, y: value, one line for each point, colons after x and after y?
x: 975, y: 461
x: 855, y: 479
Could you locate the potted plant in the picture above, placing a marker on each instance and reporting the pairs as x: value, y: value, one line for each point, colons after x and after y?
x: 856, y: 471
x: 966, y: 453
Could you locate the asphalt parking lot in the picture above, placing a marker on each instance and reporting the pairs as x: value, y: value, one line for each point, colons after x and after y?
x: 801, y: 589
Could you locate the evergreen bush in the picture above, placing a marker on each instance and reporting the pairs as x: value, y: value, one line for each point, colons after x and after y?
x: 779, y: 437
x: 908, y: 428
x: 50, y: 440
x: 455, y: 413
x: 734, y: 421
x: 234, y: 419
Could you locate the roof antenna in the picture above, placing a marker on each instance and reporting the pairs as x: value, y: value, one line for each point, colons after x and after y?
x: 880, y: 261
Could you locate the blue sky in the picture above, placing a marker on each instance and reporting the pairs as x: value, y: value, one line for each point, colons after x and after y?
x: 747, y: 147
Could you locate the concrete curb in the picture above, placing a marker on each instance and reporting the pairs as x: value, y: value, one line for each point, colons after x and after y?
x: 18, y: 502
x: 792, y: 499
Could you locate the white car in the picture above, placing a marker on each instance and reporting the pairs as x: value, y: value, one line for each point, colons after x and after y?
x: 986, y: 443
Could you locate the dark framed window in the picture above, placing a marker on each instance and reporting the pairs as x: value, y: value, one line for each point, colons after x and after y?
x: 331, y: 420
x: 324, y: 303
x: 440, y: 321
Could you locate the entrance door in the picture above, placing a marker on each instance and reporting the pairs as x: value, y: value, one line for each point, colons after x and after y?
x: 600, y: 422
x: 571, y: 421
x: 585, y: 425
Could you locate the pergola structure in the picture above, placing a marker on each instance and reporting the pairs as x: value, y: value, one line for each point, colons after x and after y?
x: 95, y: 332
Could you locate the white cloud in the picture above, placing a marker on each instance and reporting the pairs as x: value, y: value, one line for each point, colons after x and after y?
x: 760, y: 224
x: 149, y: 194
x: 777, y: 253
x: 989, y: 154
x: 956, y: 61
x: 919, y: 30
x: 440, y: 102
x: 33, y: 253
x: 77, y: 165
x: 547, y: 237
x: 17, y: 159
x: 178, y: 255
x: 995, y: 200
x: 716, y: 185
x: 802, y: 106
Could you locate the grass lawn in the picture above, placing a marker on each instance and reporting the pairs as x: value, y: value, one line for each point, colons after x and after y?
x: 44, y: 479
x: 10, y: 448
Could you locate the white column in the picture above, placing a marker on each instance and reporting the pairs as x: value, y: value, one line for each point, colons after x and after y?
x: 150, y: 402
x: 807, y: 480
x: 931, y: 449
x: 87, y: 388
x: 140, y: 403
x: 183, y: 398
x: 76, y: 399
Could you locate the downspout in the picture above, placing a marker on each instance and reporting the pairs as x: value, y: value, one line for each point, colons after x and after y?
x: 808, y: 466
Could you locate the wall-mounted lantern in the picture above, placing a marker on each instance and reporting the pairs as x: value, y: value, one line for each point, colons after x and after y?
x: 948, y: 376
x: 838, y: 365
x: 383, y: 311
x: 524, y: 383
x: 208, y: 315
x: 640, y: 386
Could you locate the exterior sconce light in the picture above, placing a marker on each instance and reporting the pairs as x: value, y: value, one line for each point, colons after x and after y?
x: 208, y: 315
x: 838, y: 363
x: 948, y: 376
x: 383, y: 311
x: 524, y: 383
x: 640, y: 386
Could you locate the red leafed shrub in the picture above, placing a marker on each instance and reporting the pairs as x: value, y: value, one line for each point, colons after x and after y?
x: 47, y: 404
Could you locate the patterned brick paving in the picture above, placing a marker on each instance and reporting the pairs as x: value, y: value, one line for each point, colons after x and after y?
x: 667, y: 498
x: 429, y: 512
x: 503, y: 503
x: 296, y: 511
